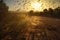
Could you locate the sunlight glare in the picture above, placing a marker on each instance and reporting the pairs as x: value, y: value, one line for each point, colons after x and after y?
x: 36, y: 5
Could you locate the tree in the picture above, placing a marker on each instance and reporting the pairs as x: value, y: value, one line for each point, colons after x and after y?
x: 31, y: 12
x: 51, y: 11
x: 3, y: 13
x: 45, y: 10
x: 3, y: 7
x: 57, y: 11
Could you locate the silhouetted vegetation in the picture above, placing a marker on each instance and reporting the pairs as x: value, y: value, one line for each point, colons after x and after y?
x: 54, y: 13
x: 3, y: 9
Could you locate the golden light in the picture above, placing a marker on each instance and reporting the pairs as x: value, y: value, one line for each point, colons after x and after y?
x: 36, y: 5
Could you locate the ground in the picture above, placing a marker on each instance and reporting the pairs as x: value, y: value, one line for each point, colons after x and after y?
x: 34, y: 28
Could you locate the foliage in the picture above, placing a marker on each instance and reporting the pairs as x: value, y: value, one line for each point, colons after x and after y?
x: 54, y: 13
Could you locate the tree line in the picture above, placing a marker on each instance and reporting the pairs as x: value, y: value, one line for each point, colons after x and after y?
x: 55, y: 13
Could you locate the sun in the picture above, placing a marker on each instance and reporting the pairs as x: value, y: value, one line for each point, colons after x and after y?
x: 36, y: 5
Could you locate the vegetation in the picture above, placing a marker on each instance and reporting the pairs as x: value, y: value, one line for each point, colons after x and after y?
x: 54, y: 13
x: 12, y: 27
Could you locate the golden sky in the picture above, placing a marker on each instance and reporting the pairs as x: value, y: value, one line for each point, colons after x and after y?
x: 26, y: 5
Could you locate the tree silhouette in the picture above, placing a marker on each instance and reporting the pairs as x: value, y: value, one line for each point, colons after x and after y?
x: 3, y: 12
x: 51, y: 11
x: 3, y: 7
x: 55, y: 13
x: 31, y: 12
x: 45, y: 10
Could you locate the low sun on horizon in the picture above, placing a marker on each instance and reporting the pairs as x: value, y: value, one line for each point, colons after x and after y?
x: 36, y: 6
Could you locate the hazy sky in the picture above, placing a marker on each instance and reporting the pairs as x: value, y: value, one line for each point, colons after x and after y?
x: 26, y: 4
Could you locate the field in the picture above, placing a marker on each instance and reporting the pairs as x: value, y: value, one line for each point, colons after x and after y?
x: 22, y: 26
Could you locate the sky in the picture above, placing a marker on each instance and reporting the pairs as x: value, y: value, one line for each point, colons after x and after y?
x: 25, y: 5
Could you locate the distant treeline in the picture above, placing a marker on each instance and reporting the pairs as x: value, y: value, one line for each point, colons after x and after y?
x: 47, y: 13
